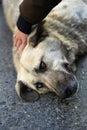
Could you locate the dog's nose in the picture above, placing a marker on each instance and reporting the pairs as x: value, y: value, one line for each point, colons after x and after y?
x: 70, y: 90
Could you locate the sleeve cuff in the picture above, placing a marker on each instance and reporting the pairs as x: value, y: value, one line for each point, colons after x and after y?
x: 23, y: 25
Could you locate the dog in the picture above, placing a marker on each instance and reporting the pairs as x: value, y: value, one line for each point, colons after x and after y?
x: 47, y: 63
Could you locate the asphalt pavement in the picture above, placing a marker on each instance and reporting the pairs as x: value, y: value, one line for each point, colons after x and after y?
x: 48, y: 113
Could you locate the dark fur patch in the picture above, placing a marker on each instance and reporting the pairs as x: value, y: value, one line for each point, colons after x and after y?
x: 39, y: 35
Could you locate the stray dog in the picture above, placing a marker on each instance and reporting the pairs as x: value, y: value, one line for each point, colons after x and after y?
x: 47, y: 63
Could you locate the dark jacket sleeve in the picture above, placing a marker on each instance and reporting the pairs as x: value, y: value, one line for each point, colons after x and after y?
x: 32, y: 12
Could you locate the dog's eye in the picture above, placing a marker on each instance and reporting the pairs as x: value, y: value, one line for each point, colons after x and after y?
x: 42, y: 66
x: 39, y: 85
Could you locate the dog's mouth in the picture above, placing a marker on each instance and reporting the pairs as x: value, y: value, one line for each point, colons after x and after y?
x: 28, y: 94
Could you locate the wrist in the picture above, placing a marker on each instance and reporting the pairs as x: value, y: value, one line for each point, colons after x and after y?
x: 23, y: 25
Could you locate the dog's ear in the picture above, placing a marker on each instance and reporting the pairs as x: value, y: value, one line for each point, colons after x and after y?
x: 38, y: 35
x: 27, y: 94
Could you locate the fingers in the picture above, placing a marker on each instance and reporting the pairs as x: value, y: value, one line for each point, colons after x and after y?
x: 20, y: 44
x: 17, y: 43
x: 20, y: 40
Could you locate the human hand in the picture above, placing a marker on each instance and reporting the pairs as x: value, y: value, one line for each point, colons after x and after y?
x: 20, y: 40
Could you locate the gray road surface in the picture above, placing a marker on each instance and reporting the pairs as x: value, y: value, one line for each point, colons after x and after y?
x: 48, y: 113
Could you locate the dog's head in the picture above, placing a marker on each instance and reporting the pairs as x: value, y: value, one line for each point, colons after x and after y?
x: 44, y: 67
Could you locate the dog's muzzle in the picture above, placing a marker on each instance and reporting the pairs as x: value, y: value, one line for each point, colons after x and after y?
x: 70, y: 88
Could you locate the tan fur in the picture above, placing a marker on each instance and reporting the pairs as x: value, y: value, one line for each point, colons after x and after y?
x: 64, y: 33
